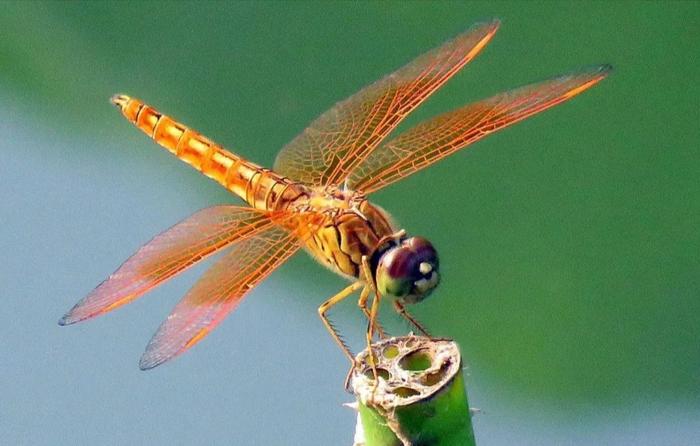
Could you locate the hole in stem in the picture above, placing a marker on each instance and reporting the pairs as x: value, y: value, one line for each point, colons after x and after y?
x: 391, y: 352
x: 406, y: 392
x: 416, y: 361
x: 381, y: 373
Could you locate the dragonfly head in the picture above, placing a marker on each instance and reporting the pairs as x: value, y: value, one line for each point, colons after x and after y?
x: 408, y: 270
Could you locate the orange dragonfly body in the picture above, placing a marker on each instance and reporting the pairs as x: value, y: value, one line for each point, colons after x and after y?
x: 316, y: 197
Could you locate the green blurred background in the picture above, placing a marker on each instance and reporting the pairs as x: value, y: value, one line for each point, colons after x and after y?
x: 569, y: 243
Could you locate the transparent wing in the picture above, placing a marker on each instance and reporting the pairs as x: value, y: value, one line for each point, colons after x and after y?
x: 342, y: 137
x: 219, y: 292
x: 443, y: 135
x: 170, y: 253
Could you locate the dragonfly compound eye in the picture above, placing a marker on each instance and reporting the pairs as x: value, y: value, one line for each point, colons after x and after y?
x: 409, y: 270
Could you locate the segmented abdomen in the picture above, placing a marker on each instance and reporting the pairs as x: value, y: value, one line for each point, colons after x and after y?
x: 260, y: 187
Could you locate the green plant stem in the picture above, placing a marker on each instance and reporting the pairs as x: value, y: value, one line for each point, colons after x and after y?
x: 419, y: 397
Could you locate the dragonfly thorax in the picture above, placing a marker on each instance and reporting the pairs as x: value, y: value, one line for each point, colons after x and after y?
x: 331, y: 197
x: 353, y: 228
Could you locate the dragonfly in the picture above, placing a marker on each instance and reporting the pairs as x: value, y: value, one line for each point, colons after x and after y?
x: 316, y: 198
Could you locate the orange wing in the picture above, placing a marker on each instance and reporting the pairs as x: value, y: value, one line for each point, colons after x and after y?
x: 170, y: 253
x: 335, y: 143
x: 218, y: 292
x: 443, y: 135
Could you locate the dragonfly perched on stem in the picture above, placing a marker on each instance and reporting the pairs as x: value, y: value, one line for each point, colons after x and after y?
x: 316, y: 197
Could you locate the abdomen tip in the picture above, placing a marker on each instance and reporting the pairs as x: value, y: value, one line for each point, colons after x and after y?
x: 119, y: 100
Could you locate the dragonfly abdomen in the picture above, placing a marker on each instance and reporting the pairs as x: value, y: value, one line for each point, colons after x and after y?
x: 260, y: 187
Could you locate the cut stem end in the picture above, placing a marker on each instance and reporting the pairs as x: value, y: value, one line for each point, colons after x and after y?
x: 418, y: 396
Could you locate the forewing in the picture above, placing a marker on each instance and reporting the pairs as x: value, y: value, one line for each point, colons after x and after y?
x: 336, y: 142
x: 170, y: 253
x: 218, y: 292
x: 443, y: 135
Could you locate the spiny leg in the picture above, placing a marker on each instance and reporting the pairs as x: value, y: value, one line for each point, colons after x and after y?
x: 371, y: 326
x: 370, y: 331
x: 329, y: 326
x: 401, y: 309
x: 364, y: 295
x: 370, y: 279
x: 369, y: 286
x: 372, y: 317
x: 362, y: 303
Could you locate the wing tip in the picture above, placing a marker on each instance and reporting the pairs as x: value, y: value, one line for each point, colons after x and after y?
x: 488, y: 25
x: 78, y: 313
x: 605, y: 69
x: 487, y: 21
x: 590, y: 76
x: 148, y: 363
x: 155, y: 354
x: 70, y: 318
x: 599, y: 69
x: 493, y: 22
x: 580, y: 79
x: 152, y: 359
x: 483, y: 30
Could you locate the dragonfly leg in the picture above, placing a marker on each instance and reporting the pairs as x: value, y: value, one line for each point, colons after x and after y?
x: 372, y: 323
x: 401, y: 309
x: 329, y: 326
x: 362, y: 303
x: 367, y: 275
x: 370, y: 332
